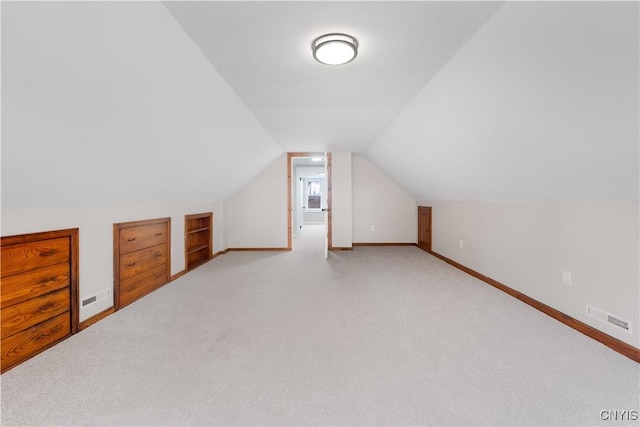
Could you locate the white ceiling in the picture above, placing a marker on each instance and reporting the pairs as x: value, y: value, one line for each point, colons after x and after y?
x: 262, y: 50
x: 467, y: 101
x: 541, y: 105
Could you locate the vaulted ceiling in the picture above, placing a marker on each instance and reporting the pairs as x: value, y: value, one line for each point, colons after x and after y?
x: 147, y: 101
x: 541, y: 105
x: 263, y: 50
x: 453, y: 100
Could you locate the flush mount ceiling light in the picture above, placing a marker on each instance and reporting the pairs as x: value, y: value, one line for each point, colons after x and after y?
x: 335, y: 49
x: 316, y: 159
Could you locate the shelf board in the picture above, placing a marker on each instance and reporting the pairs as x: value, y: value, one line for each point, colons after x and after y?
x: 199, y: 216
x: 198, y: 230
x: 197, y: 248
x: 197, y: 263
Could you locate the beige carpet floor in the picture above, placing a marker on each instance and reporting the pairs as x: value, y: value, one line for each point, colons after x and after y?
x: 373, y: 336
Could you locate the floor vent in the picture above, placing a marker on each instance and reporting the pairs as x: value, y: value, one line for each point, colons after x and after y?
x: 608, y: 318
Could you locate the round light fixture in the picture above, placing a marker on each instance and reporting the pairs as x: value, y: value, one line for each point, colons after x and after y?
x: 335, y: 49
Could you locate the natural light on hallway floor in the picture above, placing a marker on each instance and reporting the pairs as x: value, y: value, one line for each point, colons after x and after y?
x: 311, y: 240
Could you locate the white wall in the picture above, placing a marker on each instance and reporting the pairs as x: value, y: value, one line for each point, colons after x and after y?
x: 110, y: 113
x: 526, y: 246
x: 96, y: 237
x: 341, y: 200
x: 314, y: 217
x: 526, y: 144
x: 380, y: 203
x: 257, y: 214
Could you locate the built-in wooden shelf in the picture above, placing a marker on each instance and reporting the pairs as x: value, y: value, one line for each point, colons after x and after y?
x: 198, y: 239
x: 198, y: 230
x: 198, y: 248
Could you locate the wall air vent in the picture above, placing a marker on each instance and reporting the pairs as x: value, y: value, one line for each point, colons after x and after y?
x: 612, y: 319
x: 618, y: 322
x: 105, y: 293
x: 88, y: 300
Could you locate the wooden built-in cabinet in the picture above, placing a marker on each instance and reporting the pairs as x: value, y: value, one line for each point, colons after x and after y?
x: 198, y: 242
x: 39, y: 293
x: 141, y: 258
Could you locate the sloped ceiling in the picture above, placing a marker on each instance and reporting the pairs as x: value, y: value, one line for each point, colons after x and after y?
x: 480, y: 101
x: 109, y: 103
x: 126, y: 102
x: 263, y: 50
x: 541, y: 105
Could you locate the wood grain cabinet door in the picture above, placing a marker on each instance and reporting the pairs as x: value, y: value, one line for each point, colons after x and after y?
x: 424, y: 228
x: 141, y: 258
x: 39, y: 293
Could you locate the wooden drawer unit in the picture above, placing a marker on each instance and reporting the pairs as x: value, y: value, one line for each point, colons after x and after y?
x: 25, y: 257
x: 39, y: 293
x: 141, y: 258
x: 135, y: 238
x: 31, y: 341
x: 18, y: 317
x: 139, y: 285
x: 137, y: 262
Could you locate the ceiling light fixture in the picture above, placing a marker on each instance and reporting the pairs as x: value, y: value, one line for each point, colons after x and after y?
x: 316, y: 159
x: 335, y: 49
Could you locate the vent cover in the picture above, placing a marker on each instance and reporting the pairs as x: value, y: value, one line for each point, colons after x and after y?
x: 105, y: 293
x: 612, y: 319
x: 88, y: 301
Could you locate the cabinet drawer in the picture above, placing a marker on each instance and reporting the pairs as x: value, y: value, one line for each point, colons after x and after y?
x: 144, y: 236
x: 24, y: 286
x: 36, y: 310
x: 32, y: 341
x: 138, y: 286
x: 136, y: 262
x: 30, y: 256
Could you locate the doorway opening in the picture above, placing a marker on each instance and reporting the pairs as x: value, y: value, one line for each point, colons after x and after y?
x: 309, y: 200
